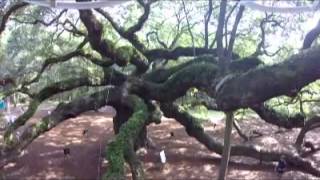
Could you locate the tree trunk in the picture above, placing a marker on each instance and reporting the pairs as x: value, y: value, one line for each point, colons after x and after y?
x: 122, y: 116
x: 227, y: 146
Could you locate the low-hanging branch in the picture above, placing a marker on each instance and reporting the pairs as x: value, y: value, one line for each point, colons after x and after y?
x: 311, y: 123
x: 162, y: 74
x: 44, y: 94
x: 194, y: 129
x: 62, y: 112
x: 285, y: 120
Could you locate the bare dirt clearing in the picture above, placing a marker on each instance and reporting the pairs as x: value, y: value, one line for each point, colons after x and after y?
x: 186, y: 158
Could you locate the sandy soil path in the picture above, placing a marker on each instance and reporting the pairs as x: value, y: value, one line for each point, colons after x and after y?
x: 187, y: 159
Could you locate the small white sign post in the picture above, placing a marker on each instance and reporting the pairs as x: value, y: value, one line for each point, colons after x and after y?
x: 163, y: 157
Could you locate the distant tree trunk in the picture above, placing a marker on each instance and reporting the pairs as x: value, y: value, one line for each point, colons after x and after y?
x: 122, y: 116
x: 226, y: 147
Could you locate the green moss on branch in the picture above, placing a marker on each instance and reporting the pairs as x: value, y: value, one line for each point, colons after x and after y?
x: 124, y: 141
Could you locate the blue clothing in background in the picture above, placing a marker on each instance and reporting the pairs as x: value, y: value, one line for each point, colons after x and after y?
x: 2, y: 105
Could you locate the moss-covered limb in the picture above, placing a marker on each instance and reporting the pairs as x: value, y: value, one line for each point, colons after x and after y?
x: 161, y: 75
x: 106, y: 62
x: 243, y: 90
x: 194, y: 129
x: 155, y: 114
x: 128, y: 54
x: 310, y: 124
x: 33, y: 106
x: 126, y: 137
x: 60, y: 87
x: 20, y: 139
x: 95, y: 32
x: 200, y: 98
x: 167, y: 54
x: 244, y: 64
x: 44, y: 94
x: 281, y: 119
x: 200, y: 75
x: 134, y: 162
x: 9, y: 12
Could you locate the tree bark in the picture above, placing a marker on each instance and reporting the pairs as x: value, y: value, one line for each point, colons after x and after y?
x: 280, y: 119
x: 122, y: 116
x: 123, y: 145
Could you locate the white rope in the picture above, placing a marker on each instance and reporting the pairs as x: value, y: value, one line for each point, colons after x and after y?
x: 72, y: 4
x: 299, y: 9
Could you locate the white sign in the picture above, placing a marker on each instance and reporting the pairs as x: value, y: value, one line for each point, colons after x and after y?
x: 163, y: 157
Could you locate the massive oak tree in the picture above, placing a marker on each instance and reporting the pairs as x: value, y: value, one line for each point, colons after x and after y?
x: 145, y: 70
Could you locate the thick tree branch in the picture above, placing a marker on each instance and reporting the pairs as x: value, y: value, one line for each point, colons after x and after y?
x: 122, y: 147
x: 311, y: 36
x: 198, y: 75
x: 271, y: 116
x: 310, y: 124
x: 142, y: 19
x: 43, y: 95
x: 162, y: 74
x: 180, y: 52
x: 289, y: 77
x: 106, y: 48
x: 59, y: 87
x: 132, y: 38
x: 61, y: 113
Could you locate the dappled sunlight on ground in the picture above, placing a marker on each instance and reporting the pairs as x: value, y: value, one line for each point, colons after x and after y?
x: 186, y: 158
x: 44, y: 158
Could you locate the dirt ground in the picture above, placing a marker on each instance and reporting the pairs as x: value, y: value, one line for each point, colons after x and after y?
x: 186, y: 158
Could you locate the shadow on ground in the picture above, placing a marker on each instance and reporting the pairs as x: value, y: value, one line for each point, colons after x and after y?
x: 186, y: 158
